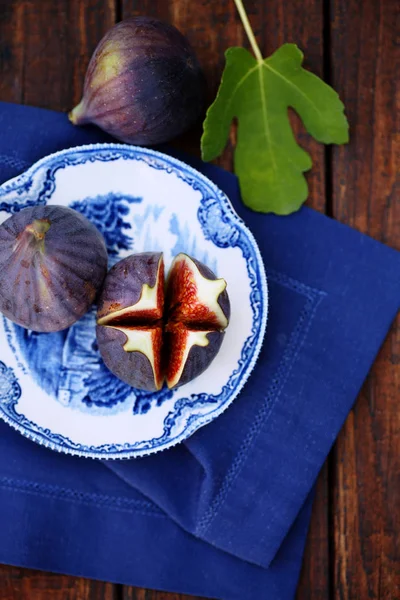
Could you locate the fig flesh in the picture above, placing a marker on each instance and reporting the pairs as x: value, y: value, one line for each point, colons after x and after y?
x: 52, y: 263
x: 195, y: 295
x: 143, y: 85
x: 143, y: 341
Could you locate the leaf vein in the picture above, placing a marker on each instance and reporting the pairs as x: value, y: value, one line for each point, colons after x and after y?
x: 286, y: 80
x: 265, y: 118
x: 240, y: 83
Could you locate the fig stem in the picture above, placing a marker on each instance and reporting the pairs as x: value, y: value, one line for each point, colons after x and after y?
x: 39, y: 228
x: 248, y: 29
x: 77, y: 114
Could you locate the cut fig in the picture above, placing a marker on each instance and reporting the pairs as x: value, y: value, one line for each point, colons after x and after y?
x: 144, y: 342
x: 133, y: 354
x: 189, y: 352
x: 195, y: 295
x: 134, y: 290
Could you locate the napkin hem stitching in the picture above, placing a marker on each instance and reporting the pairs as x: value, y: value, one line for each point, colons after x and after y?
x: 14, y: 162
x: 119, y: 503
x: 314, y: 297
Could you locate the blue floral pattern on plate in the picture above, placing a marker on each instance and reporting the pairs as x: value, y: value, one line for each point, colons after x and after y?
x: 159, y: 203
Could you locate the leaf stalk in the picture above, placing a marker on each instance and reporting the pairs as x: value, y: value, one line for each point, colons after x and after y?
x: 249, y: 31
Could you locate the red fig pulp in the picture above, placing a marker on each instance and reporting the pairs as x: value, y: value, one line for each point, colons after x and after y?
x: 52, y: 264
x: 143, y: 85
x: 143, y: 341
x: 195, y: 295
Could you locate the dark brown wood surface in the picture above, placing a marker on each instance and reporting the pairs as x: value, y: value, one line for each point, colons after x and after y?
x: 353, y: 549
x: 365, y: 194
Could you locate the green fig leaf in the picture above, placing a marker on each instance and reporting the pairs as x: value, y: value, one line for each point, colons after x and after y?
x: 268, y: 161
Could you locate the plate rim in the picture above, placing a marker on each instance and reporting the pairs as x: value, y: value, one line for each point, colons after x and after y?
x: 202, y: 420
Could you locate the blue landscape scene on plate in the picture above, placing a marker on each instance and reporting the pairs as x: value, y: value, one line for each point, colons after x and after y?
x: 67, y: 365
x: 10, y: 390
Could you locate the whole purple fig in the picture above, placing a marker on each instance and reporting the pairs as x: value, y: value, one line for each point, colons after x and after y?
x: 52, y: 263
x: 143, y: 85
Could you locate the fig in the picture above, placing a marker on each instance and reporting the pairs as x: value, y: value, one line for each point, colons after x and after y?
x: 190, y: 352
x: 133, y: 354
x: 195, y: 295
x: 52, y: 263
x: 146, y: 341
x: 143, y: 84
x: 134, y: 290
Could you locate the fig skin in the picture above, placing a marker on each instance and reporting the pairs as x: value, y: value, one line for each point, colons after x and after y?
x: 126, y: 284
x: 134, y: 368
x: 52, y: 263
x: 143, y: 85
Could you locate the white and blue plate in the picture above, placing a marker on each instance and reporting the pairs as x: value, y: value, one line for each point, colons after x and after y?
x: 54, y: 388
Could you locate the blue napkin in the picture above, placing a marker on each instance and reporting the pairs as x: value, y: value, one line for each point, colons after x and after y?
x: 224, y: 514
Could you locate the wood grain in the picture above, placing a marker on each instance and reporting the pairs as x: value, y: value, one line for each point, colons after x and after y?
x: 314, y: 582
x: 26, y: 584
x: 45, y: 47
x: 130, y: 593
x: 365, y: 61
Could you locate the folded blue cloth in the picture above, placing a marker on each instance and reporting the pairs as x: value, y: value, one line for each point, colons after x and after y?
x: 224, y: 514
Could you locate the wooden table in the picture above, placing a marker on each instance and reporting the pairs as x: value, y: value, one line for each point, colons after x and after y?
x: 353, y: 550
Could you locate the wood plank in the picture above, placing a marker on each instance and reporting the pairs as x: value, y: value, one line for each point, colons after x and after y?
x: 158, y: 9
x: 11, y: 52
x: 19, y: 584
x: 365, y: 62
x: 130, y: 593
x: 45, y: 47
x: 314, y: 580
